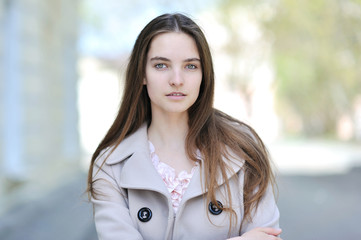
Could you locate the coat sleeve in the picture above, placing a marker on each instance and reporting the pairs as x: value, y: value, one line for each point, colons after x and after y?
x: 266, y: 214
x: 111, y: 212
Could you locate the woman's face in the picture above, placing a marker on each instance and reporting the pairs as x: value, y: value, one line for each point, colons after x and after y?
x: 173, y: 73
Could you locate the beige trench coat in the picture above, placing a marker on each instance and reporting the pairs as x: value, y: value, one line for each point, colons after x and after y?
x: 128, y: 183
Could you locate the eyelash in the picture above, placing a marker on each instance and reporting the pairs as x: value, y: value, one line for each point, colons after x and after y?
x: 191, y: 66
x: 162, y: 66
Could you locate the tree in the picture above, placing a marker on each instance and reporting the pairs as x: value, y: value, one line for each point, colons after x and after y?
x: 317, y: 47
x: 246, y: 48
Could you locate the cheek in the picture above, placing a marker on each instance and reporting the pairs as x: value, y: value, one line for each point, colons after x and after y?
x: 198, y: 83
x: 196, y: 88
x: 152, y: 89
x: 149, y: 89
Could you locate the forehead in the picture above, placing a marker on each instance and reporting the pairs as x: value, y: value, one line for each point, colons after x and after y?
x: 173, y: 44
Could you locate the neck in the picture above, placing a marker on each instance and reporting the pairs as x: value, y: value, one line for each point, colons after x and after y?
x: 170, y: 131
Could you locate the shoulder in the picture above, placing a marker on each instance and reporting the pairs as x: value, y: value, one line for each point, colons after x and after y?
x: 135, y: 142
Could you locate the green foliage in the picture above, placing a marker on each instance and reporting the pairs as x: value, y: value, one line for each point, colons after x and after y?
x: 317, y: 48
x: 316, y: 53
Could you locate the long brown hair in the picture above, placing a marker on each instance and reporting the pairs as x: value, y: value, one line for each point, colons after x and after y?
x: 211, y: 131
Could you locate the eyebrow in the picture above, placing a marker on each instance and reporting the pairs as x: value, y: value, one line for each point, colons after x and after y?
x: 168, y: 60
x: 192, y: 60
x: 160, y: 58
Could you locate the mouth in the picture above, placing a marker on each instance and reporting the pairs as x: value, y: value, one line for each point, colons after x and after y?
x: 176, y: 94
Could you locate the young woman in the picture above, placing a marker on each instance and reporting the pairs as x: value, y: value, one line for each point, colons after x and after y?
x: 171, y: 166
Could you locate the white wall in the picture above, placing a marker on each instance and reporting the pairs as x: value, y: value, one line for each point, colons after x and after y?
x: 39, y: 120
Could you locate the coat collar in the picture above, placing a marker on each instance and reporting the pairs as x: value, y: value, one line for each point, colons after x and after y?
x: 195, y: 187
x: 136, y: 142
x: 138, y: 171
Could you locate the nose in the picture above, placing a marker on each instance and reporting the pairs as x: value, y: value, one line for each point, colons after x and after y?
x: 177, y: 78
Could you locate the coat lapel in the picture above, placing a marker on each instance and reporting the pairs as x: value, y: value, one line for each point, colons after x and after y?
x: 195, y: 188
x: 137, y: 171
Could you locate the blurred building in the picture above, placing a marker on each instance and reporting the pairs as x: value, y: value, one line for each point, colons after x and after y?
x: 39, y: 141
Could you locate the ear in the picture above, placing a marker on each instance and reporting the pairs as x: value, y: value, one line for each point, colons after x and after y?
x: 144, y: 81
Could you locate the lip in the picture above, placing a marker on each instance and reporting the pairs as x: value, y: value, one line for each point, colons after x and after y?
x: 176, y: 94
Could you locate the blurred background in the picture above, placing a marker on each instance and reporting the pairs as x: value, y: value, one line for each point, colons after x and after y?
x: 291, y: 69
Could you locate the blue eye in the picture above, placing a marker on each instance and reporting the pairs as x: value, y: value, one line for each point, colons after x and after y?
x: 160, y: 66
x: 191, y: 66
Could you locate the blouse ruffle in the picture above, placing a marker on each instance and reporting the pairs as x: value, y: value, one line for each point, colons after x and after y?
x: 176, y: 185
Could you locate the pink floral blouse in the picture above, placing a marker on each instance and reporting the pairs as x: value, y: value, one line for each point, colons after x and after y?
x: 176, y: 185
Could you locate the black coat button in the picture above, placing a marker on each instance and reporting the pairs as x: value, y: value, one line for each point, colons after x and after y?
x: 144, y: 214
x: 214, y: 209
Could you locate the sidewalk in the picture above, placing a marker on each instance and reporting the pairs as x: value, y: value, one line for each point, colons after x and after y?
x: 63, y: 213
x: 323, y: 207
x: 315, y: 156
x: 319, y: 189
